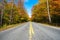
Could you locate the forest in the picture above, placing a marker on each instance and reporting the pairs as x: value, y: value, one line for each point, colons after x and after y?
x: 47, y: 12
x: 40, y: 12
x: 11, y: 13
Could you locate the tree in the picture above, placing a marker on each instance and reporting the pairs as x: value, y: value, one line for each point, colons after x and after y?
x: 12, y: 14
x: 40, y: 14
x: 2, y: 4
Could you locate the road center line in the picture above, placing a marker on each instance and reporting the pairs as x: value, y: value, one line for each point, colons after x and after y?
x: 31, y: 31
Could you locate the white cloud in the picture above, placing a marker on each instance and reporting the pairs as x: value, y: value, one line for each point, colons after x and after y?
x: 26, y: 0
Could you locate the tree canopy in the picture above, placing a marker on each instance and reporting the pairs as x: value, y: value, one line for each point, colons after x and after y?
x: 40, y: 14
x: 12, y: 13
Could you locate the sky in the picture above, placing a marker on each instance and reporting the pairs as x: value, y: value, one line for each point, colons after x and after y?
x: 28, y: 4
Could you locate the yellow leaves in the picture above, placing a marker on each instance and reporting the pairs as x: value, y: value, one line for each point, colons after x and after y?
x: 42, y: 1
x: 8, y: 6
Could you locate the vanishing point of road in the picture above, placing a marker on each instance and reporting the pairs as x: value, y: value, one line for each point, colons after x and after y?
x: 31, y: 31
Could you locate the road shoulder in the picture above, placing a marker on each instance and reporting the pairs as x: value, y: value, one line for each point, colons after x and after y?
x: 11, y: 27
x: 47, y: 25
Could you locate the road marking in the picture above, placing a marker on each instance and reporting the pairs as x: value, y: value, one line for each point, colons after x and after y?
x: 31, y: 31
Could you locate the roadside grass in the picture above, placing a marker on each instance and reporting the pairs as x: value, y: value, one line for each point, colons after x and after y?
x: 51, y: 24
x: 5, y: 27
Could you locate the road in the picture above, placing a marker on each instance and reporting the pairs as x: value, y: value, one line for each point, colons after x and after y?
x: 31, y: 31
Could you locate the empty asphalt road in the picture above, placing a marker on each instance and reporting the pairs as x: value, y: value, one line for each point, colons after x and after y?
x: 31, y: 31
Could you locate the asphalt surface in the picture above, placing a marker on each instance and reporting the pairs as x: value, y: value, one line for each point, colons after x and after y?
x: 31, y: 31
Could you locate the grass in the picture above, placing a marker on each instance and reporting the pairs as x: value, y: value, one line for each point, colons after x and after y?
x: 56, y: 25
x: 52, y: 24
x: 5, y: 27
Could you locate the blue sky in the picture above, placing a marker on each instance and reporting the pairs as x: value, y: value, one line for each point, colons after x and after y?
x: 29, y: 4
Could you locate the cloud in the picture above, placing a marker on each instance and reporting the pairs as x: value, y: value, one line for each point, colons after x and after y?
x: 26, y: 0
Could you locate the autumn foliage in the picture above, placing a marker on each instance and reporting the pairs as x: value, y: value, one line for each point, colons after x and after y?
x: 40, y: 14
x: 12, y: 13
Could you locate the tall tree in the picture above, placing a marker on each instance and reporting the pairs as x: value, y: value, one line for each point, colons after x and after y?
x: 2, y: 4
x: 11, y: 14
